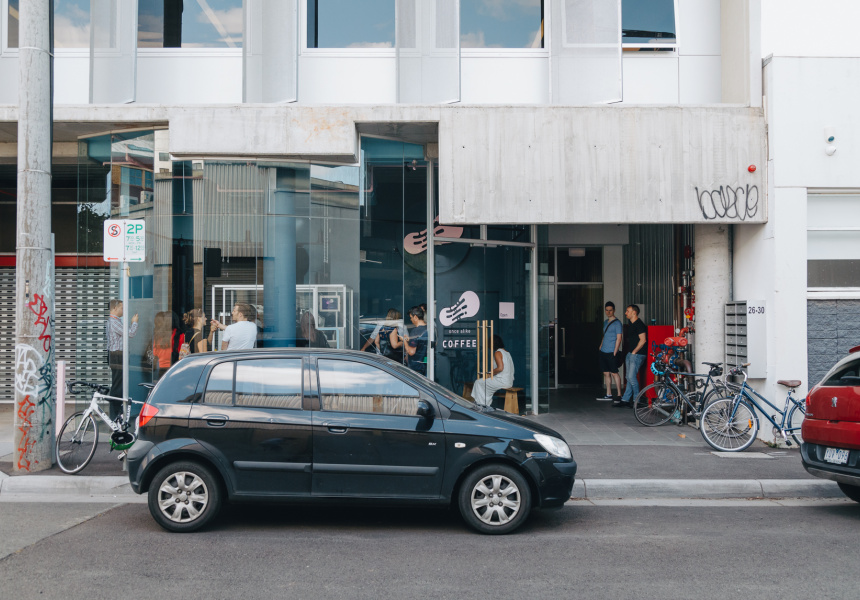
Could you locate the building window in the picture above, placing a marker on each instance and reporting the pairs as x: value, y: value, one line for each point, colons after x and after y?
x: 350, y: 24
x: 648, y: 24
x: 71, y: 23
x: 833, y: 241
x: 501, y: 23
x: 189, y: 24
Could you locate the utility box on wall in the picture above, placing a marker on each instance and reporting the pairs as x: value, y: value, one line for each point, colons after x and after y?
x: 746, y: 336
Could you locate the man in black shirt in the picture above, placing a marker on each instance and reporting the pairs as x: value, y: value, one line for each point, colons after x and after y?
x: 636, y: 340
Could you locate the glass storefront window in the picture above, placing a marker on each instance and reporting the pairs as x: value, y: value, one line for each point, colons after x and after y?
x: 501, y: 24
x: 308, y: 254
x: 71, y: 23
x: 350, y: 24
x: 648, y: 22
x: 211, y: 24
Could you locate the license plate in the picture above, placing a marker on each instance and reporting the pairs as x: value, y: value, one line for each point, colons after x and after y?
x: 836, y: 456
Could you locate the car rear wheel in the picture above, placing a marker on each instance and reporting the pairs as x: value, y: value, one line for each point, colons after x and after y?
x: 184, y: 496
x: 495, y: 499
x: 852, y: 491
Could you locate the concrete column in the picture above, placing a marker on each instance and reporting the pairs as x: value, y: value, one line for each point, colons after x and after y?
x: 34, y: 285
x: 279, y: 267
x: 713, y: 290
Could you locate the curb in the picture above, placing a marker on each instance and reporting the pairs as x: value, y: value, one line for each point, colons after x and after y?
x: 705, y: 488
x: 117, y: 487
x: 59, y: 485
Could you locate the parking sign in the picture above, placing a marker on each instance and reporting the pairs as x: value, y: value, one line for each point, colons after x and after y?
x: 124, y: 240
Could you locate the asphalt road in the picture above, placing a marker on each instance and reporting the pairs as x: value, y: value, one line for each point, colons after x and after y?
x: 613, y: 550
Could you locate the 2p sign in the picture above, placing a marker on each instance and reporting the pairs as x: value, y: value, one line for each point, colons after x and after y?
x: 124, y: 240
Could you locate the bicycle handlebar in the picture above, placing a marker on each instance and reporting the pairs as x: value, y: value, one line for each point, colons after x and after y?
x: 100, y: 388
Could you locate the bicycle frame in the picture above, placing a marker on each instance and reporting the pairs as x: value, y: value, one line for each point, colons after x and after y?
x: 95, y: 409
x: 789, y: 400
x: 710, y: 382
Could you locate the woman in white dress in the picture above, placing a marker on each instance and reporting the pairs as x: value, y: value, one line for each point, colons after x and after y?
x: 503, y: 375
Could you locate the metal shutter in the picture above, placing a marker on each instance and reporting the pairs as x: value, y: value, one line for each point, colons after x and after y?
x: 82, y: 295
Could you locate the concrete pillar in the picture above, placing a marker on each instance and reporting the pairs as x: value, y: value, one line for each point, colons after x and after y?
x: 34, y: 285
x: 713, y: 290
x: 279, y: 266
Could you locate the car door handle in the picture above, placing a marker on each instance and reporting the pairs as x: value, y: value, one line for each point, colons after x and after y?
x: 336, y: 427
x: 216, y: 420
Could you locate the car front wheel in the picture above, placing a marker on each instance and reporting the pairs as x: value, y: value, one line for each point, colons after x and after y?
x: 852, y: 491
x: 184, y: 496
x: 495, y: 499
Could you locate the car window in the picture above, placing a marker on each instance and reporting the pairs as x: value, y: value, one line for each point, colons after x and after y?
x: 219, y: 389
x: 849, y: 369
x: 357, y: 387
x: 271, y: 383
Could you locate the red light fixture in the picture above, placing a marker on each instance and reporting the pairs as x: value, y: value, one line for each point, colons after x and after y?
x: 146, y: 413
x: 751, y: 169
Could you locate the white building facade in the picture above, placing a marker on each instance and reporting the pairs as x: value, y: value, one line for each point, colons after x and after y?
x: 526, y: 161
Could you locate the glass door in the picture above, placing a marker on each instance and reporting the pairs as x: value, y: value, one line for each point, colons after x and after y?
x: 481, y: 282
x: 579, y: 315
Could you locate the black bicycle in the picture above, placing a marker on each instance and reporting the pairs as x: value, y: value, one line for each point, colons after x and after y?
x: 665, y: 400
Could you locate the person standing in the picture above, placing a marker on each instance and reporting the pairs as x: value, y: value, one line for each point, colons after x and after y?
x: 636, y: 339
x: 610, y: 346
x: 195, y: 319
x: 113, y: 329
x: 415, y: 344
x: 242, y: 333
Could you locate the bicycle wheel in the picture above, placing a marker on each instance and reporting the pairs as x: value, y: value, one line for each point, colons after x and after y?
x: 655, y: 404
x: 794, y: 421
x: 76, y: 443
x: 729, y: 432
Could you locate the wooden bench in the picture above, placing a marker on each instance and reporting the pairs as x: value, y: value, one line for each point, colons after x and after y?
x: 512, y: 402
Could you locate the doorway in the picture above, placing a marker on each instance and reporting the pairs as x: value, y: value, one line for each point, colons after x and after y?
x: 579, y: 315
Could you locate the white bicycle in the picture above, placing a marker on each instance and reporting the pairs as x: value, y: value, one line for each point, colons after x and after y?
x: 79, y: 437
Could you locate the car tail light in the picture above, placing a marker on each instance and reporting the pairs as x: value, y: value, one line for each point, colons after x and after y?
x: 146, y: 413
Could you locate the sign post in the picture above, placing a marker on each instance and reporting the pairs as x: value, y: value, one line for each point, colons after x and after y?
x: 124, y: 242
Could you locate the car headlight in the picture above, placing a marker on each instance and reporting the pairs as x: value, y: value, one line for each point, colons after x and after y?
x: 553, y: 445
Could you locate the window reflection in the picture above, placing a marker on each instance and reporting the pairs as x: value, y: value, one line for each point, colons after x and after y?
x: 647, y: 21
x: 71, y: 23
x: 272, y: 383
x: 501, y: 23
x: 350, y: 24
x: 189, y: 24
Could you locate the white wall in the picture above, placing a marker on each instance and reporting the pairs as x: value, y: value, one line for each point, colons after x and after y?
x: 802, y: 97
x: 690, y: 75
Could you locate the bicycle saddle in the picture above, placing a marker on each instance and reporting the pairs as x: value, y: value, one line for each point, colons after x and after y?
x: 790, y: 383
x: 711, y: 364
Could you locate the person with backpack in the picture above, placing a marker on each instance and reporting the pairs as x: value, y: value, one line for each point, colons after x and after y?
x: 385, y: 336
x: 610, y: 347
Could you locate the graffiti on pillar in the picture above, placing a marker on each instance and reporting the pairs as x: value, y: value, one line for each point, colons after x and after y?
x: 727, y: 202
x: 34, y: 383
x: 39, y: 307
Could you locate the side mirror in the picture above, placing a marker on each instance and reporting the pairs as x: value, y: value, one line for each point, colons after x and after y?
x: 425, y: 410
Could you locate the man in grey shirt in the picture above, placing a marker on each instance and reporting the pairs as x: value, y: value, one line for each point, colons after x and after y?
x: 242, y: 333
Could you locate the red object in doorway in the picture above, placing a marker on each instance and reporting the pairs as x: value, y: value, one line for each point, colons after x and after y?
x: 657, y: 333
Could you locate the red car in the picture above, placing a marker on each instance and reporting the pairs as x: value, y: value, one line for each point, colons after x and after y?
x: 831, y: 429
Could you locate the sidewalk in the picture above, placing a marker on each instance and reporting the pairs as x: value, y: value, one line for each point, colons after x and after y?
x: 617, y: 458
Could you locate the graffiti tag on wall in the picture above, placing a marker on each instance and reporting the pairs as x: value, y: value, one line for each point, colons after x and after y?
x: 727, y: 202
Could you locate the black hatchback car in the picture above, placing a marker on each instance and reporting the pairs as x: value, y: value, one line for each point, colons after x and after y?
x: 314, y: 426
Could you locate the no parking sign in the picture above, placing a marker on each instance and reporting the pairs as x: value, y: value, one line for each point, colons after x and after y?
x: 125, y: 240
